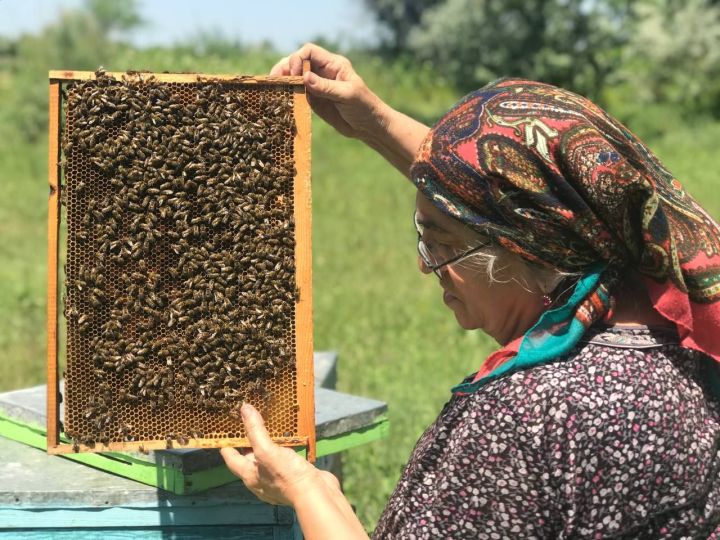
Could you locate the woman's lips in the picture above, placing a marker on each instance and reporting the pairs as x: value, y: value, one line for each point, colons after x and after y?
x: 447, y: 297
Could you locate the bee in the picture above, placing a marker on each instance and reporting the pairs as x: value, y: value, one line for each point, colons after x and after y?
x: 70, y: 312
x: 234, y: 413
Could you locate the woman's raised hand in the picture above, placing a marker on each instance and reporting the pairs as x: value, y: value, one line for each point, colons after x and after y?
x: 340, y: 97
x: 336, y: 93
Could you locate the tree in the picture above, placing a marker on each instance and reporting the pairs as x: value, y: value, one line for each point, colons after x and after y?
x: 673, y: 55
x: 114, y: 17
x: 572, y: 43
x: 398, y: 18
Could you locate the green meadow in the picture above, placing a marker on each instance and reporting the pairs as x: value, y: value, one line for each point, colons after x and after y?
x: 396, y: 340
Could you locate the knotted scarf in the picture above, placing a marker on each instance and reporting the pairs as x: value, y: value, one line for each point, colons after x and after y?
x: 550, y: 176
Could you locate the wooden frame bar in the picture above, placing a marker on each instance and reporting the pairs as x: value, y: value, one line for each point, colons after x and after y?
x: 303, y: 266
x: 69, y: 75
x: 53, y: 405
x: 303, y: 258
x: 145, y: 446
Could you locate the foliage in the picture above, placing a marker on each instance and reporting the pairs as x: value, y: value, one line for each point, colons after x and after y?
x: 114, y: 17
x: 572, y: 43
x: 662, y: 52
x: 673, y: 56
x: 398, y: 18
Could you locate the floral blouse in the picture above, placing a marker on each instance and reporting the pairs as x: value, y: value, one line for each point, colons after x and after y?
x: 619, y: 439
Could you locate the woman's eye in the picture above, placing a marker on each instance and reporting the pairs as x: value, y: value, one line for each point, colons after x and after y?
x: 439, y: 248
x: 434, y: 244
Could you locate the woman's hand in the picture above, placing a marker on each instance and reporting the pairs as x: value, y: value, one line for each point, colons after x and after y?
x: 336, y: 93
x: 278, y: 475
x: 340, y: 97
x: 275, y: 474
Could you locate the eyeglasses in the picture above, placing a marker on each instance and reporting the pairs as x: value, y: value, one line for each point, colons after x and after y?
x: 432, y: 261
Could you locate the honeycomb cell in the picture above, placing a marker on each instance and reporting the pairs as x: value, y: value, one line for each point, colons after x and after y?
x: 180, y: 273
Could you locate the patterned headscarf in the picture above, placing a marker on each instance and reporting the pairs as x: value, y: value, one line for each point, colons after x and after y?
x: 550, y: 176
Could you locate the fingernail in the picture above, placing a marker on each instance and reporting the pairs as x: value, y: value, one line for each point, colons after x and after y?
x: 245, y: 409
x: 310, y: 78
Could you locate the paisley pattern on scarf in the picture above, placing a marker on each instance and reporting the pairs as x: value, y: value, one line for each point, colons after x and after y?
x: 550, y: 176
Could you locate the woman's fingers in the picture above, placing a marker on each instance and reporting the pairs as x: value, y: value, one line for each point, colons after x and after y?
x: 335, y: 92
x: 319, y: 59
x: 246, y: 468
x: 338, y: 91
x: 282, y: 67
x: 322, y: 61
x: 274, y: 474
x: 295, y: 62
x: 239, y: 465
x: 255, y: 428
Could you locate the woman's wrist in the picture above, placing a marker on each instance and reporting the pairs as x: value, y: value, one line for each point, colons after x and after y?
x: 396, y: 136
x: 380, y: 117
x: 305, y: 487
x: 324, y: 512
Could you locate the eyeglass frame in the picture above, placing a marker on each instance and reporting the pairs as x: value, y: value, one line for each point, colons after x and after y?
x: 437, y: 268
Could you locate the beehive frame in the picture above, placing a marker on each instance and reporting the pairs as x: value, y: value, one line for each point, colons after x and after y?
x: 304, y: 433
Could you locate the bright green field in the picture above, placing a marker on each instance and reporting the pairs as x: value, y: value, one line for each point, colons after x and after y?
x: 397, y: 342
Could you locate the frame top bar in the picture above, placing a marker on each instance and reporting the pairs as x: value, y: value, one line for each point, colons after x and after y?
x: 141, y: 76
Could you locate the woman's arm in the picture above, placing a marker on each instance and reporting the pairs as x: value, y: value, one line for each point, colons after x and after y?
x: 340, y: 97
x: 280, y: 476
x: 397, y: 138
x: 324, y: 513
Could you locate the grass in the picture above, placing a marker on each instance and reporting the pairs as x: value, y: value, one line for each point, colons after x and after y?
x: 23, y: 218
x: 397, y: 342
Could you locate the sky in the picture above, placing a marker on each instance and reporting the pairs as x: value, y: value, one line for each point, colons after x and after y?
x: 282, y: 22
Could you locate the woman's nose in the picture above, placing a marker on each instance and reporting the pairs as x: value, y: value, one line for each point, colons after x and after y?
x: 424, y: 268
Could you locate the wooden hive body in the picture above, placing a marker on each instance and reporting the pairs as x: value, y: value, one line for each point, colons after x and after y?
x: 187, y: 284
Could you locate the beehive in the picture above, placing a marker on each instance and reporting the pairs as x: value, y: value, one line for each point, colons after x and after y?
x: 187, y: 286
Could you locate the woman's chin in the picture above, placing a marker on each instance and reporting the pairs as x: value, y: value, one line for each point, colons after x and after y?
x: 458, y: 308
x: 465, y: 322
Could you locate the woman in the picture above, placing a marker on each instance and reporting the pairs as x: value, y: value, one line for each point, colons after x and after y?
x: 554, y: 230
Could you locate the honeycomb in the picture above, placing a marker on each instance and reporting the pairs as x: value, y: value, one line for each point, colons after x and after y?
x: 180, y: 285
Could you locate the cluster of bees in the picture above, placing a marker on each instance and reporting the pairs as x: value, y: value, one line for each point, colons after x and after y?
x: 180, y: 273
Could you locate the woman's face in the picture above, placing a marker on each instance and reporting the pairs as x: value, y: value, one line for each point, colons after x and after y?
x: 503, y: 309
